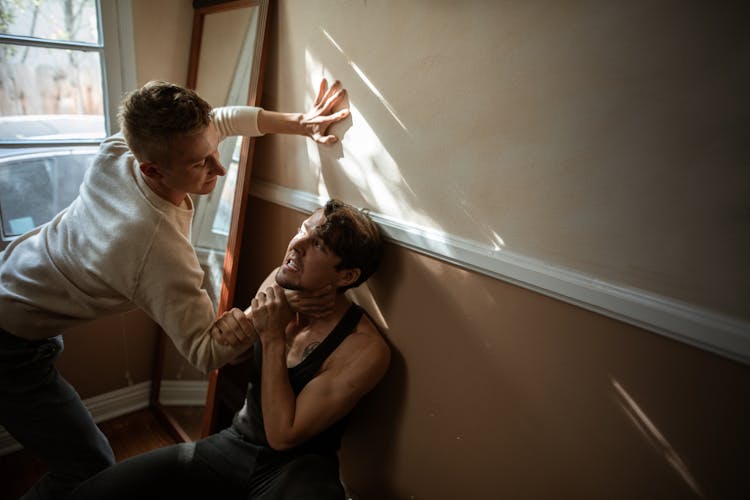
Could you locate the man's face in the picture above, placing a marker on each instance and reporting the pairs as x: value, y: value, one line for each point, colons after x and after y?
x: 195, y: 165
x: 309, y: 264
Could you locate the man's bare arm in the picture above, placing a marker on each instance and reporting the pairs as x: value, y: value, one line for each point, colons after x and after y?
x: 325, y: 399
x: 315, y: 123
x: 351, y: 373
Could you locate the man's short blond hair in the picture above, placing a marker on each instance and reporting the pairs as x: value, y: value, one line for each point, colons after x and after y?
x: 152, y: 116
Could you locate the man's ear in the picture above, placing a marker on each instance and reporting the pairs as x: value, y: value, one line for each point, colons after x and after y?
x: 150, y: 170
x: 348, y: 276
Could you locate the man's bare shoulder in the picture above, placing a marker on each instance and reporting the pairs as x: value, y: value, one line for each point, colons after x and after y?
x: 365, y: 347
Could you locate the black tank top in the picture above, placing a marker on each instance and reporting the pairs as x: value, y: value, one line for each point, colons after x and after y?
x: 249, y: 420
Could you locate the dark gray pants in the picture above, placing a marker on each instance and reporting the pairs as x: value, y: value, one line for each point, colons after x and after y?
x: 43, y: 412
x: 224, y: 465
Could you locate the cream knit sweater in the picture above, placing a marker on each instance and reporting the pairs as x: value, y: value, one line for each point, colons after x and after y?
x: 118, y: 246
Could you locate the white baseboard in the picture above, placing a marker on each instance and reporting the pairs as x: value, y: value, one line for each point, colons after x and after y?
x: 183, y: 392
x: 118, y: 402
x: 718, y: 333
x: 127, y: 400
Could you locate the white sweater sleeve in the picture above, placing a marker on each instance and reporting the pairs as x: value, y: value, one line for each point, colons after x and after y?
x: 237, y: 120
x: 169, y: 291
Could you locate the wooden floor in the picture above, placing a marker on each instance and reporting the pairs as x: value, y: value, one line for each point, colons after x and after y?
x: 129, y: 435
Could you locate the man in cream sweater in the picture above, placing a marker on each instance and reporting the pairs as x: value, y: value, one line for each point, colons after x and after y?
x: 123, y: 243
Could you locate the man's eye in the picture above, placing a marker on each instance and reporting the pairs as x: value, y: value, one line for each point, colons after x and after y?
x: 200, y: 165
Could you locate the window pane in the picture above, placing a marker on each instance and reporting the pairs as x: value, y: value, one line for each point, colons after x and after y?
x: 58, y: 91
x: 73, y: 20
x: 35, y: 184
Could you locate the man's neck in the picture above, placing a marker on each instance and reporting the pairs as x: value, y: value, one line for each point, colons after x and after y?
x: 326, y: 323
x: 174, y: 197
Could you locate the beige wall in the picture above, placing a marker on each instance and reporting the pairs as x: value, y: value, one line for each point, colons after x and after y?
x: 497, y: 392
x: 604, y: 137
x: 110, y: 353
x: 162, y: 31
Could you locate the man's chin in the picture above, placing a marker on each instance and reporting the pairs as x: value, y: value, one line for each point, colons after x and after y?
x: 206, y: 189
x: 285, y: 283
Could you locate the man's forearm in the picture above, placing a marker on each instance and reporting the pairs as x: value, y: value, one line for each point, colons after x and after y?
x: 277, y: 397
x: 273, y: 122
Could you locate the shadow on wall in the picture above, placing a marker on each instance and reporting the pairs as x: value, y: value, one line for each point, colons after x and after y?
x: 375, y: 422
x: 373, y: 432
x: 504, y: 386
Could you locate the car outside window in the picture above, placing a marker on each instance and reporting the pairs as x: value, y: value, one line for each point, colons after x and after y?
x: 54, y: 104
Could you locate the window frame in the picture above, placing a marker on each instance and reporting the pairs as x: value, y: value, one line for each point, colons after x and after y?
x: 116, y: 49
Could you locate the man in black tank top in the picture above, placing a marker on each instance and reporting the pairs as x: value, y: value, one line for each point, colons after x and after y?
x: 307, y: 375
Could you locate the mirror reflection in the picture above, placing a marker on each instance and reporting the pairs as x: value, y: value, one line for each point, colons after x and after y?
x: 223, y: 78
x: 225, y: 73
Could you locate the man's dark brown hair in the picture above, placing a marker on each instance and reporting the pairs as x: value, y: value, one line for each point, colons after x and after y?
x: 354, y: 237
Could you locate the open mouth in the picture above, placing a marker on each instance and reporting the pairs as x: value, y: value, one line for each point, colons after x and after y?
x: 292, y: 264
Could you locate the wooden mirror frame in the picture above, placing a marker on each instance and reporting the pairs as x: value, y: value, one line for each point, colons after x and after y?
x: 202, y: 8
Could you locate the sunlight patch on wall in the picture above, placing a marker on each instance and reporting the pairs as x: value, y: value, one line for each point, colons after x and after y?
x: 365, y: 162
x: 362, y: 295
x: 369, y: 168
x: 316, y: 72
x: 655, y: 437
x: 365, y: 79
x: 372, y: 169
x: 496, y: 242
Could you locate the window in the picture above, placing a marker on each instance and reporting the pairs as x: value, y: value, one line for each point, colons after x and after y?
x: 63, y: 67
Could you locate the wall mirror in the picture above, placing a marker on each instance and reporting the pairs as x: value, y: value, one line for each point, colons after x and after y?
x: 226, y: 65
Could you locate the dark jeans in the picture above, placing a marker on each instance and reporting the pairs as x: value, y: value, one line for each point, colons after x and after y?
x: 224, y: 465
x: 43, y: 412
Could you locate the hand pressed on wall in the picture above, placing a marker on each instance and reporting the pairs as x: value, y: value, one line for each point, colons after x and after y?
x: 317, y: 121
